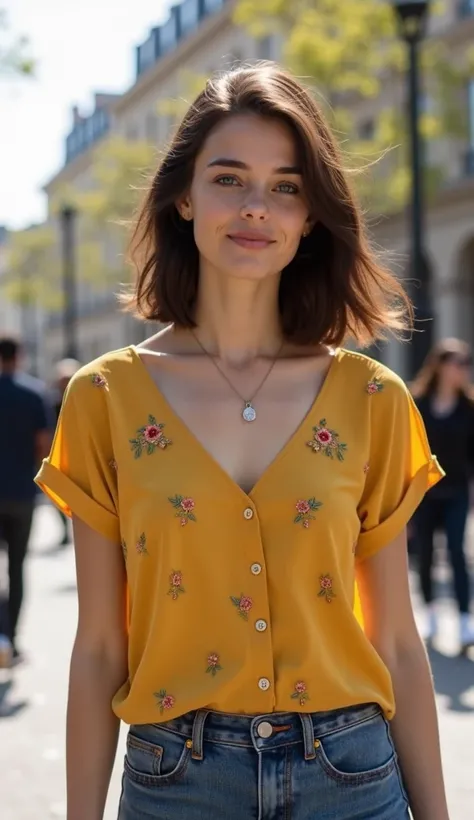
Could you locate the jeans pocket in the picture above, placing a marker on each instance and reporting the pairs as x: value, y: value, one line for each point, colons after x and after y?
x: 154, y: 756
x: 358, y: 754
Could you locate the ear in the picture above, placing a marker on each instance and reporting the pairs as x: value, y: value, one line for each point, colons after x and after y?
x: 185, y: 208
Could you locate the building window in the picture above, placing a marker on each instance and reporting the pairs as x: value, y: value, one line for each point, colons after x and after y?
x: 265, y: 48
x: 151, y: 128
x: 366, y: 130
x: 189, y: 16
x: 470, y: 113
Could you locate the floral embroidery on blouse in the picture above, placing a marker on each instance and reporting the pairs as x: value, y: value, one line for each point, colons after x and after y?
x: 113, y: 464
x: 374, y: 386
x: 366, y: 468
x: 176, y: 584
x: 184, y: 507
x: 300, y: 694
x: 149, y: 438
x: 164, y: 701
x: 98, y: 380
x: 305, y: 510
x: 141, y: 545
x: 327, y: 441
x: 326, y: 591
x: 124, y: 548
x: 213, y: 664
x: 244, y: 604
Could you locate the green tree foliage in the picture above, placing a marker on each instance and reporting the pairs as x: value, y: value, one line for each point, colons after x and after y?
x: 349, y: 52
x: 15, y: 57
x: 32, y: 268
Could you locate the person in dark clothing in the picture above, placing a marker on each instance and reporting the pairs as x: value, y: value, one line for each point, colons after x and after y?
x: 65, y: 370
x: 25, y: 436
x: 445, y: 399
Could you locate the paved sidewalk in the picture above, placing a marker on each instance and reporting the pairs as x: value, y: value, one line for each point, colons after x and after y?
x: 33, y: 698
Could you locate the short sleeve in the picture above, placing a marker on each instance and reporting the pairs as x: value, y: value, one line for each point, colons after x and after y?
x: 77, y: 476
x: 401, y: 468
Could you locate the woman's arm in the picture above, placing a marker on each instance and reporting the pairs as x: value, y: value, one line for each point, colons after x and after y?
x: 98, y: 669
x: 390, y: 626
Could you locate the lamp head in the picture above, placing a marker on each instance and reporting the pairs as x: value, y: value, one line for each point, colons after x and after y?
x: 412, y: 16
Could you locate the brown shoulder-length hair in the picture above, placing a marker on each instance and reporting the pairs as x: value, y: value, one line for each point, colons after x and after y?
x: 333, y: 289
x: 426, y: 380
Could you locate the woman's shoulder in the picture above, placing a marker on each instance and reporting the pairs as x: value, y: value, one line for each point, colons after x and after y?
x: 105, y: 371
x: 370, y: 377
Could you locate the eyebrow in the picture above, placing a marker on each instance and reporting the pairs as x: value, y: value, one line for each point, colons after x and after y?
x: 225, y: 162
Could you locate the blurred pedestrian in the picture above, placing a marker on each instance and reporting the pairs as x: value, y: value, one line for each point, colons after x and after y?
x: 445, y: 398
x: 64, y: 371
x: 25, y: 438
x: 241, y: 470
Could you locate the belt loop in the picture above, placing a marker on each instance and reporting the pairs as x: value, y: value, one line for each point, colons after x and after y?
x: 308, y: 735
x: 197, y: 736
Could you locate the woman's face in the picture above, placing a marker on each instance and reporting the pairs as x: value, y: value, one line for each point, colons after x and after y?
x: 247, y: 199
x: 456, y: 370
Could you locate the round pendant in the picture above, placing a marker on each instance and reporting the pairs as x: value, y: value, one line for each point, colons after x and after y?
x: 248, y: 413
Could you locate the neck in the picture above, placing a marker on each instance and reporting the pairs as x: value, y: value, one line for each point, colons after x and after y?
x: 446, y: 392
x: 7, y: 369
x: 238, y: 320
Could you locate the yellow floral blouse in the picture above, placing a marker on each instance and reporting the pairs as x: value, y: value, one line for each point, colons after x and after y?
x: 242, y: 603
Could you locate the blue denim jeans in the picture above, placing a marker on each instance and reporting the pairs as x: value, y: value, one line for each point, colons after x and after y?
x: 338, y: 765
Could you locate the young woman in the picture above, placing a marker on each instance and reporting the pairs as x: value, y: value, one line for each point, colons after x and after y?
x: 230, y: 479
x: 445, y: 399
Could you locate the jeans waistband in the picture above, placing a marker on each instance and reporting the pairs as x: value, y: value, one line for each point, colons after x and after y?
x: 281, y: 728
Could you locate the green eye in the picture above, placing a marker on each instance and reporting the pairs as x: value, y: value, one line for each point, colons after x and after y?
x: 287, y: 188
x: 227, y: 180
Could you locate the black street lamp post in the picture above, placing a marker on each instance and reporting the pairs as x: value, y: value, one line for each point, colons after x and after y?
x: 68, y: 225
x: 412, y: 17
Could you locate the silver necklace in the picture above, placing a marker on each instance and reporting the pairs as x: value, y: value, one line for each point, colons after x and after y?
x: 248, y: 412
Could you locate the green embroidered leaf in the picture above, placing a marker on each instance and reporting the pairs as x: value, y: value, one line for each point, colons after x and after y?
x: 161, y: 693
x: 235, y: 601
x: 322, y: 593
x: 138, y: 452
x: 314, y: 504
x: 150, y: 449
x: 181, y: 589
x: 191, y: 516
x: 152, y: 420
x: 340, y: 455
x: 243, y: 615
x: 295, y: 695
x: 298, y: 518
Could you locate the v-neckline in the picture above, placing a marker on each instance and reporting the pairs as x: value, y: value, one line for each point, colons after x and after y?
x: 331, y: 373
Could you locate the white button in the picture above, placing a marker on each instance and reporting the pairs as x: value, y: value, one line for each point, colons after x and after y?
x: 248, y: 513
x: 264, y: 729
x: 260, y: 625
x: 264, y: 684
x: 256, y: 569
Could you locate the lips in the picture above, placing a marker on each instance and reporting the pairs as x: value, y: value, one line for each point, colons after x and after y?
x: 251, y: 239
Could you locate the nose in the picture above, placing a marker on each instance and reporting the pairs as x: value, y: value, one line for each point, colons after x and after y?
x: 255, y: 208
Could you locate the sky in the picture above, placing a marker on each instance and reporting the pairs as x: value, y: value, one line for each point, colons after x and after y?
x: 80, y: 47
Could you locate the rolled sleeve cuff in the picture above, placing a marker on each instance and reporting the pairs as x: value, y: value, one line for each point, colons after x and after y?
x: 70, y: 499
x: 373, y: 540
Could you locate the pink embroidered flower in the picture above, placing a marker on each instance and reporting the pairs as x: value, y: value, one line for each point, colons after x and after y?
x: 113, y: 464
x: 176, y: 584
x: 300, y: 693
x: 327, y: 441
x: 98, y: 380
x: 165, y: 701
x: 184, y: 507
x: 151, y: 433
x: 326, y: 588
x: 141, y: 545
x: 187, y: 504
x: 323, y: 436
x: 124, y: 548
x: 244, y: 604
x: 213, y: 664
x: 374, y: 386
x: 366, y: 468
x: 306, y: 510
x: 149, y: 437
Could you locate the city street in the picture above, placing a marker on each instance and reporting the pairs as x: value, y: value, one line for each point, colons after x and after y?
x: 33, y: 697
